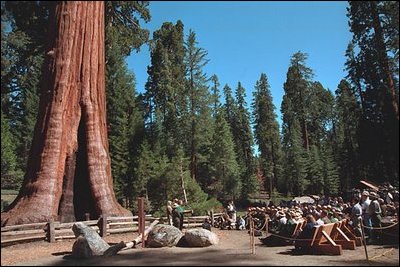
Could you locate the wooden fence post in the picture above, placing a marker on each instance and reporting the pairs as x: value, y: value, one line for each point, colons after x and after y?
x: 102, y: 224
x: 51, y: 233
x: 212, y: 218
x: 141, y: 219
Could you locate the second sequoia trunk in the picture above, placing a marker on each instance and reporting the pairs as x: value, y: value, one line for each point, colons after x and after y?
x: 69, y: 171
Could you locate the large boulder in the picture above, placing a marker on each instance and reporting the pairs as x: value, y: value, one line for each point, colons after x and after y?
x: 164, y: 235
x: 201, y: 238
x: 81, y: 248
x: 96, y: 243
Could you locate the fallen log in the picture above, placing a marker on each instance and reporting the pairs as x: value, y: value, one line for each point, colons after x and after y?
x: 113, y: 250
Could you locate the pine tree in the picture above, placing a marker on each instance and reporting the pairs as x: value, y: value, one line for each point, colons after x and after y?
x: 346, y: 135
x: 215, y: 95
x: 331, y: 179
x: 295, y: 156
x: 225, y: 179
x: 123, y: 29
x: 297, y: 88
x: 25, y: 46
x: 125, y: 121
x: 155, y: 164
x: 266, y: 132
x: 230, y: 107
x: 199, y: 101
x: 165, y: 88
x: 122, y: 124
x: 9, y: 178
x: 243, y: 138
x: 295, y: 110
x: 315, y: 171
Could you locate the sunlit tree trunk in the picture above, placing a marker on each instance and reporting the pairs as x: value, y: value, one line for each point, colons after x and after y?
x: 69, y: 172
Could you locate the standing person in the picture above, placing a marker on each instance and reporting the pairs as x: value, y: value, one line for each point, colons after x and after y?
x: 356, y: 215
x: 181, y: 213
x: 169, y: 212
x: 231, y: 211
x: 176, y: 216
x: 375, y: 212
x: 365, y: 202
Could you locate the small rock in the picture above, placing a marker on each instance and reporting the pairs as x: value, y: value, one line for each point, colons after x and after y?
x: 201, y: 238
x: 164, y: 235
x: 96, y: 243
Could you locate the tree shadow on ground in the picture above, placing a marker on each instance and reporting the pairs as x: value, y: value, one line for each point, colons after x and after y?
x: 361, y: 263
x: 164, y: 256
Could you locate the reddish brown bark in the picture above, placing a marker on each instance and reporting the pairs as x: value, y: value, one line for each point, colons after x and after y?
x: 383, y: 59
x: 69, y: 170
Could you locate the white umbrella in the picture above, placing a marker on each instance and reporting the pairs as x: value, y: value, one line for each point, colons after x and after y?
x: 304, y: 199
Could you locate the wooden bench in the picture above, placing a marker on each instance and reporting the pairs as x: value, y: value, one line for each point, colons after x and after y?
x: 321, y: 242
x: 349, y: 233
x: 299, y: 225
x: 341, y: 238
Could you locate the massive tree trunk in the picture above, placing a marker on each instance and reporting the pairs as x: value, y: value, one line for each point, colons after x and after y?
x: 383, y: 59
x: 69, y: 170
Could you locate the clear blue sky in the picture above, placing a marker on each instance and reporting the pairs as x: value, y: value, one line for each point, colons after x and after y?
x: 244, y: 39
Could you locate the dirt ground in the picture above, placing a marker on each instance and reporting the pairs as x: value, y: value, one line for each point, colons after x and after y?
x: 233, y: 249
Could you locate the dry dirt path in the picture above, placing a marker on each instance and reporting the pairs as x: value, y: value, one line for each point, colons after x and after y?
x: 234, y: 249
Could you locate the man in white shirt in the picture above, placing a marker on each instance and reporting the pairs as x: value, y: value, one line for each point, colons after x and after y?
x: 365, y: 202
x: 356, y: 213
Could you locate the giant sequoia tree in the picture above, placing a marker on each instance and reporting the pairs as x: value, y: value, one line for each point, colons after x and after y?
x: 69, y: 170
x: 373, y: 71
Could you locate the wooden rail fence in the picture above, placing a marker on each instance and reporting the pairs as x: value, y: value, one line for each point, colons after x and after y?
x: 54, y: 230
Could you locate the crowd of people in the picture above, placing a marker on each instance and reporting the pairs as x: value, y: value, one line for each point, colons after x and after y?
x: 364, y: 208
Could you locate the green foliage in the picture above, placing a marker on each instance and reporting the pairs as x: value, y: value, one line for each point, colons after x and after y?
x: 243, y: 138
x: 314, y: 170
x: 197, y: 119
x: 330, y: 172
x: 11, y: 178
x: 215, y: 95
x: 225, y: 179
x: 294, y: 109
x: 165, y: 87
x: 294, y: 160
x: 22, y: 60
x: 308, y: 128
x: 123, y: 25
x: 346, y: 147
x: 124, y: 115
x: 238, y: 118
x: 198, y: 200
x: 266, y: 132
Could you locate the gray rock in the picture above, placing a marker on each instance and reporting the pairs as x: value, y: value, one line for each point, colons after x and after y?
x: 81, y: 248
x: 96, y: 243
x: 201, y: 238
x: 164, y: 235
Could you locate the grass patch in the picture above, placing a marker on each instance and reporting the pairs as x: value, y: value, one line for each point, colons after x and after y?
x: 7, y: 196
x: 8, y: 192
